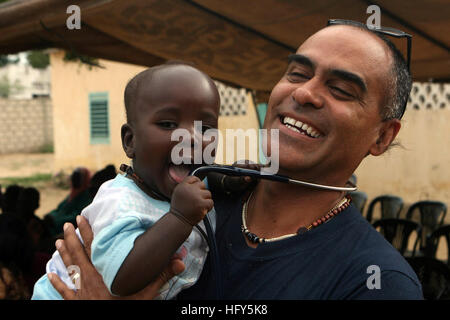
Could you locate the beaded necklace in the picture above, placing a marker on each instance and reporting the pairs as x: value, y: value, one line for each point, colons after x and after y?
x: 141, y: 183
x: 340, y: 206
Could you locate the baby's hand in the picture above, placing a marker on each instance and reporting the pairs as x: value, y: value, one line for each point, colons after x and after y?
x: 191, y: 200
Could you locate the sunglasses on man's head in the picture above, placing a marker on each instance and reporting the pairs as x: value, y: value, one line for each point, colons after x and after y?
x: 382, y: 30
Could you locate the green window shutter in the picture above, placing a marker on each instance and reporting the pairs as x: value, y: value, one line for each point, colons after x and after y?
x: 261, y: 110
x: 99, y: 118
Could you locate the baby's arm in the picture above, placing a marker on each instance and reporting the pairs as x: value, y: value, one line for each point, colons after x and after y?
x: 154, y: 248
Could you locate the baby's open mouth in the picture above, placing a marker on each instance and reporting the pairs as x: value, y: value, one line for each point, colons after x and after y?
x: 180, y: 171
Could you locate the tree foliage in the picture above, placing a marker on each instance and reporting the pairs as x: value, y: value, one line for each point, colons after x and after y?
x: 4, y: 87
x: 3, y: 60
x: 7, y: 88
x: 38, y: 59
x: 72, y: 56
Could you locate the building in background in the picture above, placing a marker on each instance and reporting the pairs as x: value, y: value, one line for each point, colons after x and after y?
x: 26, y: 123
x: 88, y: 111
x: 22, y: 80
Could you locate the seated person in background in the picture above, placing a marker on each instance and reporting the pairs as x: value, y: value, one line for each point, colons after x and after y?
x: 12, y: 285
x: 20, y: 265
x: 27, y: 204
x: 142, y: 219
x: 9, y: 199
x: 100, y: 177
x: 73, y: 204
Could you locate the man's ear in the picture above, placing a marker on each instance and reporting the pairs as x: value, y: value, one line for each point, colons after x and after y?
x: 388, y: 131
x: 127, y: 135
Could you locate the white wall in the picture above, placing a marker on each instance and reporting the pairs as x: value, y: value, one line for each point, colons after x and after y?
x: 32, y: 81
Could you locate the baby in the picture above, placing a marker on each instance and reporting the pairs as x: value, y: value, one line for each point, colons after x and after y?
x: 141, y: 219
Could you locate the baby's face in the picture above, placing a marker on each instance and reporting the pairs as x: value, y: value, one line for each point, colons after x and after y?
x: 173, y: 99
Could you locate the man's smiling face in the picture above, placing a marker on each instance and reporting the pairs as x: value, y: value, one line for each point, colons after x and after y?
x: 327, y: 105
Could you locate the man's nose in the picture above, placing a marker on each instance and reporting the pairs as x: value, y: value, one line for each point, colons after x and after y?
x: 308, y: 93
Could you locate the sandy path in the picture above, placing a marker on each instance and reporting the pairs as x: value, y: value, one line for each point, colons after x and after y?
x: 23, y: 165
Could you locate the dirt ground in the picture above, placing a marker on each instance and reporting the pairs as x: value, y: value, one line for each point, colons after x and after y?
x: 25, y: 165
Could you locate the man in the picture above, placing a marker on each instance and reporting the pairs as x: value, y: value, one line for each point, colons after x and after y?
x: 337, y: 103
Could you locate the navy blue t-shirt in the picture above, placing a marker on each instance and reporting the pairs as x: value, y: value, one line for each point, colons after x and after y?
x: 337, y: 260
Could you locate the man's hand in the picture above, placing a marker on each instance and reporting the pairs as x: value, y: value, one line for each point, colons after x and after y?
x: 191, y: 199
x: 239, y: 184
x: 92, y: 286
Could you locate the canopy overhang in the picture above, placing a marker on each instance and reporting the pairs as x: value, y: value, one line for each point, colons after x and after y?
x: 245, y: 43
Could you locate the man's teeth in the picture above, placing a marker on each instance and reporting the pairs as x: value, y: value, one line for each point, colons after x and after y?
x: 300, y: 127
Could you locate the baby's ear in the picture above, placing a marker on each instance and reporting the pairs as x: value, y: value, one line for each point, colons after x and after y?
x: 127, y: 134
